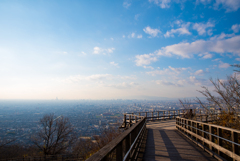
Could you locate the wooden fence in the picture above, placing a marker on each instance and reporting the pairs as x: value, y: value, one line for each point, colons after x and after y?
x: 126, y: 146
x: 222, y: 142
x: 130, y: 118
x: 199, y: 114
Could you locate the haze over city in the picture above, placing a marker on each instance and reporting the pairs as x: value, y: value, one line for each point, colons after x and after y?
x: 115, y: 49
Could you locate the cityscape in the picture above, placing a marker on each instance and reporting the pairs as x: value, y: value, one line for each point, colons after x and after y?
x: 20, y: 119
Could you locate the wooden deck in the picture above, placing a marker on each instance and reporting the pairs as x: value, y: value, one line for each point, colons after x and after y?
x: 164, y: 142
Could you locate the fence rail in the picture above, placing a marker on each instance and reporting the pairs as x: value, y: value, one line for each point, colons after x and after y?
x: 221, y: 141
x: 126, y: 146
x: 199, y: 114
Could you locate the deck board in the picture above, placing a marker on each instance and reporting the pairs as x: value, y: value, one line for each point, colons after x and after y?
x: 165, y: 143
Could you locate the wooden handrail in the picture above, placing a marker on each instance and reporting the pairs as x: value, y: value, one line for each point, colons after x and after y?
x: 155, y: 115
x: 127, y: 143
x: 197, y: 131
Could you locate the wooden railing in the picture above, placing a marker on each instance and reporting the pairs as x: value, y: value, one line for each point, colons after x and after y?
x: 199, y: 114
x: 126, y: 146
x: 130, y: 118
x: 222, y: 142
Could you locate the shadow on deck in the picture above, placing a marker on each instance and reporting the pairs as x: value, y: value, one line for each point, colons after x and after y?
x: 164, y: 142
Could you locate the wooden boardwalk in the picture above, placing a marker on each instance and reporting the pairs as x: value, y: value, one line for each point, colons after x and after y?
x: 164, y: 142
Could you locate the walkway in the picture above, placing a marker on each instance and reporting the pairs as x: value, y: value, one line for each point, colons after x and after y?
x: 164, y: 142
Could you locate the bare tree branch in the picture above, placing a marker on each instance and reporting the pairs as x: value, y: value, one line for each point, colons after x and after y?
x: 55, y: 135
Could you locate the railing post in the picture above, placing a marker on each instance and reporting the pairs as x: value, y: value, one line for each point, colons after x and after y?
x: 203, y: 129
x: 158, y: 115
x: 191, y: 124
x: 174, y: 114
x: 168, y: 114
x: 197, y: 131
x: 135, y: 118
x: 164, y: 115
x: 210, y: 135
x: 125, y: 121
x: 130, y: 120
x: 119, y: 154
x: 219, y: 133
x: 235, y: 140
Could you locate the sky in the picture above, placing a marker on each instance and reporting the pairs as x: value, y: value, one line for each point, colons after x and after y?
x: 130, y: 49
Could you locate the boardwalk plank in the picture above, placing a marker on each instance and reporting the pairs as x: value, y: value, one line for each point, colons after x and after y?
x: 165, y: 143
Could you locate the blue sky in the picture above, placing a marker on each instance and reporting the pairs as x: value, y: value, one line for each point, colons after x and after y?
x: 115, y: 49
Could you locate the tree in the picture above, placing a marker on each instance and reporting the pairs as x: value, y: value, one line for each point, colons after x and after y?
x: 225, y: 98
x: 55, y: 135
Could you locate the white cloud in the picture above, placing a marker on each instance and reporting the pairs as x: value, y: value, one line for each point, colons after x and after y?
x: 192, y: 80
x: 111, y: 38
x: 183, y: 30
x: 168, y: 71
x: 82, y: 54
x: 110, y: 50
x: 203, y: 1
x: 168, y: 83
x: 150, y: 31
x: 223, y: 65
x: 199, y: 81
x: 177, y: 70
x: 236, y: 28
x: 123, y: 36
x: 206, y: 55
x: 114, y: 64
x: 94, y: 77
x: 229, y: 5
x: 133, y: 35
x: 187, y: 50
x: 136, y: 16
x: 126, y: 4
x: 132, y: 77
x: 145, y: 59
x: 222, y: 36
x: 160, y: 72
x: 146, y: 67
x: 201, y: 28
x: 199, y: 72
x: 238, y: 59
x: 98, y: 50
x: 161, y: 3
x: 123, y: 85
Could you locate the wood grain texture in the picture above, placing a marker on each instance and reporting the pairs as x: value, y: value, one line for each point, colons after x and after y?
x: 165, y: 143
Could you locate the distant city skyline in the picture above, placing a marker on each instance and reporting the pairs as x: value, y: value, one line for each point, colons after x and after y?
x: 115, y: 49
